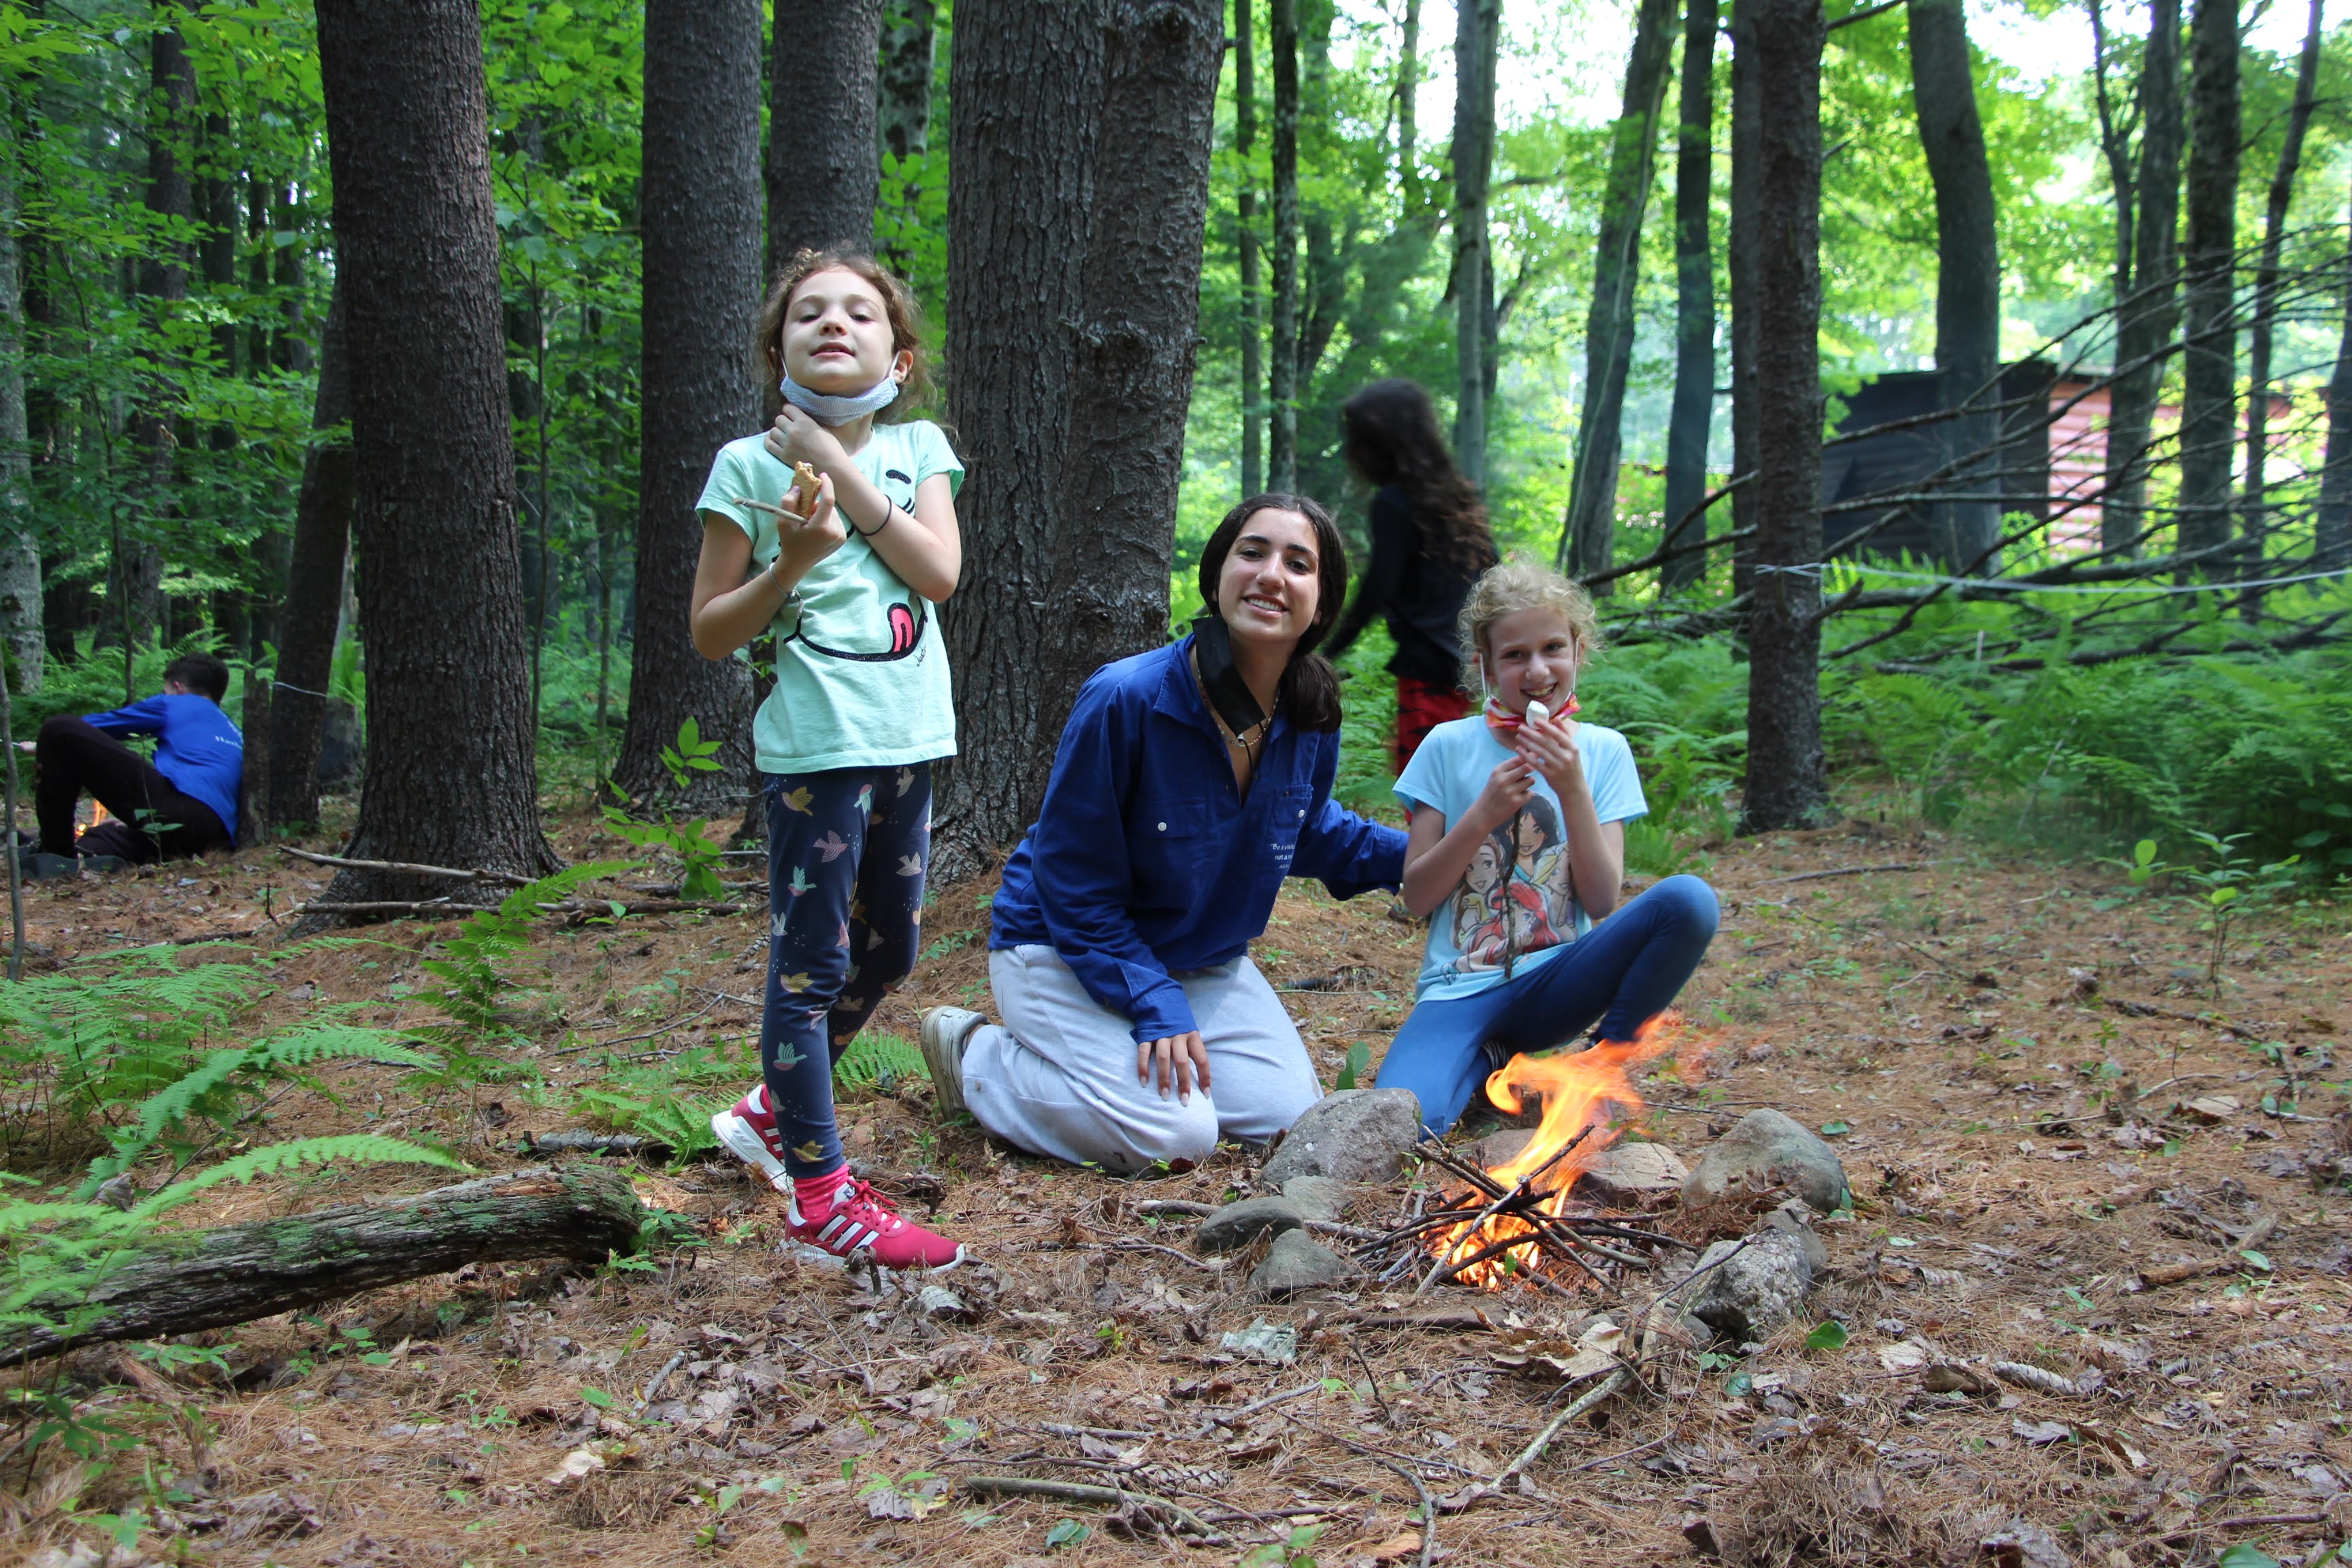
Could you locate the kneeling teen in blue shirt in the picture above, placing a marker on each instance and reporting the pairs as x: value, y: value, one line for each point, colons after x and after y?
x: 182, y: 804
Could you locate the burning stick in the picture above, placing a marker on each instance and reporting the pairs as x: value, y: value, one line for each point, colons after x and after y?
x: 1488, y: 1213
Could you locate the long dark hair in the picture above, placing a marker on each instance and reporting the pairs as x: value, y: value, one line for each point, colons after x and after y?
x: 1311, y: 687
x: 1390, y: 437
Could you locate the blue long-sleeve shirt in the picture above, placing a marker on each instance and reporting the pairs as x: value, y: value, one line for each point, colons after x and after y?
x: 197, y: 747
x: 1147, y: 860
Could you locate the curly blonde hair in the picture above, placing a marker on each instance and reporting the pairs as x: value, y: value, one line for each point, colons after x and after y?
x: 1515, y: 585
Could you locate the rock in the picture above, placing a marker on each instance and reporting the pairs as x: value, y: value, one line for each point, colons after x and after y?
x: 1295, y: 1263
x: 1634, y: 1176
x: 1350, y: 1134
x: 1793, y: 1218
x: 1769, y: 1149
x: 1236, y: 1225
x: 1320, y: 1198
x: 1763, y: 1284
x: 1261, y: 1340
x: 1500, y: 1149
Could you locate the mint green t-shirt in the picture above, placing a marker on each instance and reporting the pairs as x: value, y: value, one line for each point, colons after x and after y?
x: 861, y: 667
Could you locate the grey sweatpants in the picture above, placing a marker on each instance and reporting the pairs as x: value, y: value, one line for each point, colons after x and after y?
x: 1058, y: 1076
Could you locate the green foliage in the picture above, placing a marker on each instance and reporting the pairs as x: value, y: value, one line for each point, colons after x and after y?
x: 1360, y: 1061
x: 701, y: 852
x: 478, y: 991
x: 120, y: 1049
x: 1292, y: 1551
x: 879, y: 1062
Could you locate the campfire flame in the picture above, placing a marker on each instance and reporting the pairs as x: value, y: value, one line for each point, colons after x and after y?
x: 1585, y: 1089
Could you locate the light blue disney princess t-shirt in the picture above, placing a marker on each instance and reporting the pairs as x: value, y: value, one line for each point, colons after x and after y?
x: 1516, y: 896
x: 861, y: 667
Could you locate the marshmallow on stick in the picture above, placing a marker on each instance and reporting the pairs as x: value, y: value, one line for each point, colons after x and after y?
x: 1537, y: 711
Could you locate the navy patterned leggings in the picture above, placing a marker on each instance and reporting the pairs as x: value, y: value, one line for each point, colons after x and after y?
x: 846, y: 850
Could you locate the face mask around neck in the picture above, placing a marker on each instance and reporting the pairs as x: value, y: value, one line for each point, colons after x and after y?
x: 829, y: 410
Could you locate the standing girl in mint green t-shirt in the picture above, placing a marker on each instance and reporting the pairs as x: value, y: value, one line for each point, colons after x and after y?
x: 850, y: 584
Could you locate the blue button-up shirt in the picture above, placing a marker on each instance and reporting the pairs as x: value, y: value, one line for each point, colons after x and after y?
x: 1147, y: 860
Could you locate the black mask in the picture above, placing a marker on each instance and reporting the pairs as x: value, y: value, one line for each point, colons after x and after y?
x: 1229, y: 694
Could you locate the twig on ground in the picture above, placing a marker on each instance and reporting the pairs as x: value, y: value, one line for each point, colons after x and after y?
x: 407, y: 868
x: 1856, y: 871
x: 1073, y: 1491
x: 677, y: 1023
x: 654, y: 1388
x: 1583, y: 1403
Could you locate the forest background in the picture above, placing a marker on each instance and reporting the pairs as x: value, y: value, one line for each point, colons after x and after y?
x: 173, y: 257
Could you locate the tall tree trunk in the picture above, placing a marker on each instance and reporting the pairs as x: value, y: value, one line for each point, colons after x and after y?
x: 2256, y: 503
x: 314, y: 590
x: 701, y: 286
x: 453, y: 776
x: 2145, y: 311
x: 902, y: 115
x: 136, y: 581
x: 1131, y: 376
x: 823, y: 177
x: 1408, y: 97
x: 1588, y: 534
x: 20, y: 557
x: 1246, y: 211
x: 2208, y: 378
x: 1323, y: 289
x: 2331, y: 534
x: 1078, y: 158
x: 1739, y: 265
x: 1282, y: 382
x: 1968, y: 277
x: 1689, y: 425
x: 1026, y: 77
x: 1787, y: 784
x: 1478, y: 25
x: 2115, y: 145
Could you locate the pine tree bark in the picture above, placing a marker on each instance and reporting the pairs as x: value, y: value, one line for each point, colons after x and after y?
x: 314, y: 589
x: 1588, y: 535
x: 1690, y: 421
x: 1246, y: 211
x: 2209, y: 374
x: 824, y: 176
x: 1024, y: 76
x: 909, y: 60
x: 2255, y: 504
x: 701, y: 290
x: 1739, y: 265
x: 453, y: 776
x: 20, y: 557
x: 1131, y: 376
x: 1477, y: 32
x: 1787, y: 783
x: 2149, y: 310
x: 1967, y: 278
x: 1282, y: 379
x: 1077, y: 201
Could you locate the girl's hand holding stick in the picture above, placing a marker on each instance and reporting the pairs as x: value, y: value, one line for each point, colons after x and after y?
x: 803, y: 540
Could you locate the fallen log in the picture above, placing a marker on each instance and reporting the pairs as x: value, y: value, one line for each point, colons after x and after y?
x: 237, y: 1273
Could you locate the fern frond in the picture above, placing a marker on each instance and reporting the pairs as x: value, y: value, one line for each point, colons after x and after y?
x: 358, y: 1148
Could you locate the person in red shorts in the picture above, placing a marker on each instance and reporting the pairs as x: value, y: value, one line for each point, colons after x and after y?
x: 1429, y: 542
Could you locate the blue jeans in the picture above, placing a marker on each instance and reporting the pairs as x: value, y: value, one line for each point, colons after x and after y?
x: 846, y: 851
x: 1625, y: 972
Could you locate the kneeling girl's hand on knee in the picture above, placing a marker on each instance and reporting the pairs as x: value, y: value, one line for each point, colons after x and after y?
x: 1179, y: 1059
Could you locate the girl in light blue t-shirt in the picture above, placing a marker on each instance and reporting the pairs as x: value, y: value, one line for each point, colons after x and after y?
x: 1516, y: 857
x: 849, y: 580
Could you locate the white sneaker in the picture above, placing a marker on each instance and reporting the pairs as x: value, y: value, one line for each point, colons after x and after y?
x: 945, y: 1030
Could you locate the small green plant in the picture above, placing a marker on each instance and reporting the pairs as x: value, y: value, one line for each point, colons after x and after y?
x: 1294, y: 1551
x: 2229, y: 886
x: 700, y: 850
x: 1360, y: 1061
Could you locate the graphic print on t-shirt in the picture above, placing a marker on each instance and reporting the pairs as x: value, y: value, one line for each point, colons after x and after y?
x: 1515, y: 896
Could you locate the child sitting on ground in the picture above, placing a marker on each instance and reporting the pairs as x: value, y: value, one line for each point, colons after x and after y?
x: 182, y: 804
x: 1518, y: 842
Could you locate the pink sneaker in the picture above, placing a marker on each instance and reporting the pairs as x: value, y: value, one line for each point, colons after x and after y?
x: 859, y: 1217
x: 748, y: 1130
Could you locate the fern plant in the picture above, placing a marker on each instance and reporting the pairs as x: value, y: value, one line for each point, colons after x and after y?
x: 700, y: 849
